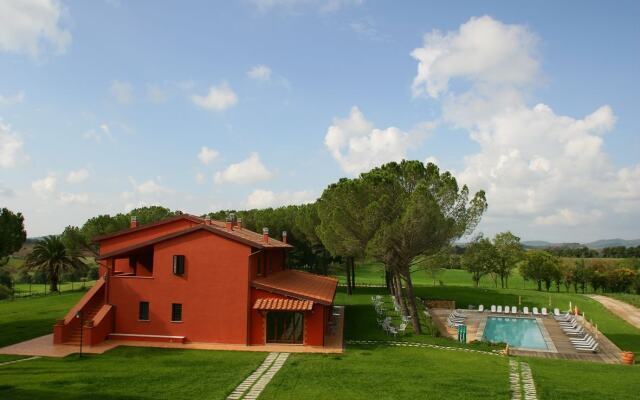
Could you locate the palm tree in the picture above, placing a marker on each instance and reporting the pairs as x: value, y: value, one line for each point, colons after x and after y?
x: 51, y: 256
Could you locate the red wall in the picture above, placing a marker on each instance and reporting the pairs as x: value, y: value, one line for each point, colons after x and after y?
x: 214, y: 291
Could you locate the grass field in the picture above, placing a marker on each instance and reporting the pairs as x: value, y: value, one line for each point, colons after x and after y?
x: 130, y: 373
x: 41, y: 288
x: 23, y: 319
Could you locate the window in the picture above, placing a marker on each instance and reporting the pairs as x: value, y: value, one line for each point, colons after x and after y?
x: 176, y: 312
x: 178, y: 265
x: 285, y: 327
x: 143, y: 311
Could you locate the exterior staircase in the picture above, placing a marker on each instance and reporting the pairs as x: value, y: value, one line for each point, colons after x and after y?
x: 89, y: 313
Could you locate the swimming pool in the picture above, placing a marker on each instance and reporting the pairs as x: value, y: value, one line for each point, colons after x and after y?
x: 517, y: 332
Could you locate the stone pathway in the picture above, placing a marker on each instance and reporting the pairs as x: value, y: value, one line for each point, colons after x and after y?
x: 521, y: 381
x: 424, y: 345
x: 255, y: 383
x: 623, y: 310
x: 18, y: 360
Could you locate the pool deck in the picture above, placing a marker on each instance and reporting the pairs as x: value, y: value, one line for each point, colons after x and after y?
x: 560, y: 346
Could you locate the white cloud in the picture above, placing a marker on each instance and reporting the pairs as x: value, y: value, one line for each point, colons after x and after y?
x: 200, y: 178
x: 96, y: 135
x: 569, y: 217
x: 537, y: 167
x: 12, y: 99
x: 121, y: 91
x: 366, y: 28
x: 157, y: 95
x: 260, y: 198
x: 150, y: 187
x: 431, y: 159
x: 483, y: 50
x: 11, y: 152
x: 78, y: 176
x: 45, y: 187
x: 358, y: 146
x: 207, y: 155
x: 250, y: 170
x: 260, y: 73
x: 219, y: 98
x: 298, y: 5
x: 73, y: 198
x: 28, y: 26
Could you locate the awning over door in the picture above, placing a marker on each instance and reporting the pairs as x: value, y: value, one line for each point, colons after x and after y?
x: 275, y: 304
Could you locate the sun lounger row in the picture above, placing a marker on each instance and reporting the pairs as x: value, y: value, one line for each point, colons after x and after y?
x: 514, y: 310
x: 580, y: 339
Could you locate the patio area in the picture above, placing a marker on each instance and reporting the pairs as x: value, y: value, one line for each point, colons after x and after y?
x: 558, y: 344
x: 43, y: 345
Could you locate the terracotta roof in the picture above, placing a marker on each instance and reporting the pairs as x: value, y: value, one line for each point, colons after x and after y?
x: 299, y: 284
x: 283, y: 304
x: 189, y: 217
x: 238, y: 235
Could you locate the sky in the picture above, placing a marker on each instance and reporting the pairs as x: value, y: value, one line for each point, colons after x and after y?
x: 200, y: 106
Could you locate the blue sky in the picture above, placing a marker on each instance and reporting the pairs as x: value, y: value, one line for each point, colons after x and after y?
x: 107, y: 105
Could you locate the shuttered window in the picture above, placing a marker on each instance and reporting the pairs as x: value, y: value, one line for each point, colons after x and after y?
x: 178, y: 265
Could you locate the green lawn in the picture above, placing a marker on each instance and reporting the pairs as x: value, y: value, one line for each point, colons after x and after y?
x: 391, y: 373
x: 130, y: 373
x: 23, y: 319
x: 569, y: 380
x: 41, y: 288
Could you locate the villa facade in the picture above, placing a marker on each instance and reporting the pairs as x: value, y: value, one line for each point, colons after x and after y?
x: 187, y: 279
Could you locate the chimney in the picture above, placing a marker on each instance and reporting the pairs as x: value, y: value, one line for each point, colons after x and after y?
x: 134, y: 222
x: 231, y: 221
x: 265, y: 235
x: 284, y: 236
x: 239, y: 223
x: 207, y: 220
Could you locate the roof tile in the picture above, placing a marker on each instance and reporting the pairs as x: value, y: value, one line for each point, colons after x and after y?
x: 299, y: 284
x: 276, y: 304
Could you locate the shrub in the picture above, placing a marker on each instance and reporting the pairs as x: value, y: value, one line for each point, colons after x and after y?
x: 5, y: 292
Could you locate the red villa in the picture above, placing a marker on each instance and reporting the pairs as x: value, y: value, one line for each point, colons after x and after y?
x: 187, y: 279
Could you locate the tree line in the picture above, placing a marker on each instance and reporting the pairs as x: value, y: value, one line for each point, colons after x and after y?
x: 585, y: 252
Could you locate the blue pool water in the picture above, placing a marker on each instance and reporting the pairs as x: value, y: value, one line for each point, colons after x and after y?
x: 517, y: 332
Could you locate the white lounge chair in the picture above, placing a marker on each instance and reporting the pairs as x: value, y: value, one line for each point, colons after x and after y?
x: 499, y: 309
x: 514, y: 310
x: 535, y: 311
x: 544, y: 311
x: 506, y: 309
x: 525, y: 310
x: 481, y: 308
x: 556, y: 312
x: 402, y: 328
x: 493, y: 308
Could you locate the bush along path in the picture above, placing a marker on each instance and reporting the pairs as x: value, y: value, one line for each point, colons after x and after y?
x: 255, y: 383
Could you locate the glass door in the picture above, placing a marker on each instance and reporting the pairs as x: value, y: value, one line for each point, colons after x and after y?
x: 285, y: 327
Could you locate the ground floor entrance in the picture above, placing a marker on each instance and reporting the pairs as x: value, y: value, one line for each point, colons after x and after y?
x: 285, y: 327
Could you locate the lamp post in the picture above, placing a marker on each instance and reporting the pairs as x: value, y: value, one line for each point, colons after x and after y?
x: 79, y: 316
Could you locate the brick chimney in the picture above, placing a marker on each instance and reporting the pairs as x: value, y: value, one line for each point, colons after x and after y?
x: 239, y: 223
x: 284, y: 236
x: 207, y: 220
x: 231, y: 220
x: 265, y: 235
x: 134, y: 222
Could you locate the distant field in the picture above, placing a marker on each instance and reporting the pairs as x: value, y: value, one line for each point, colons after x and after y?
x: 41, y: 288
x: 373, y: 273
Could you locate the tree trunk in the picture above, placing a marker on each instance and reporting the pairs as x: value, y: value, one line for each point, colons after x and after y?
x: 413, y: 309
x: 346, y: 267
x: 54, y: 283
x: 352, y: 264
x: 506, y: 281
x: 399, y: 295
x: 540, y: 286
x: 502, y: 281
